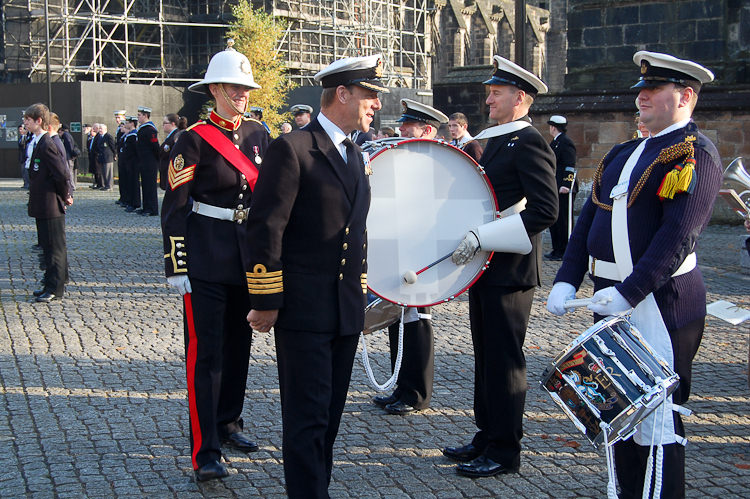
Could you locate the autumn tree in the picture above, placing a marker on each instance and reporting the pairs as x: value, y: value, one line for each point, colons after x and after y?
x: 257, y: 34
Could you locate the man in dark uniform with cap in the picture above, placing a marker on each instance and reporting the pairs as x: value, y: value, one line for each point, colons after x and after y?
x: 127, y: 158
x: 636, y: 236
x: 256, y: 112
x: 210, y: 181
x: 301, y: 114
x: 567, y: 186
x: 414, y: 387
x: 520, y: 166
x: 308, y: 271
x: 148, y: 161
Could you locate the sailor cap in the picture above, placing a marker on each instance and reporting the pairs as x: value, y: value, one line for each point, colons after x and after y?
x: 416, y: 111
x: 300, y: 109
x: 510, y: 73
x: 120, y: 112
x: 144, y: 109
x: 659, y: 69
x: 365, y: 72
x: 556, y: 119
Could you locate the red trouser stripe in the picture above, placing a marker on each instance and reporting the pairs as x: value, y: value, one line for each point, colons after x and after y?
x: 192, y: 353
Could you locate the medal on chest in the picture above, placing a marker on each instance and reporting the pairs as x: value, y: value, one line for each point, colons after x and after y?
x: 366, y: 160
x: 258, y: 159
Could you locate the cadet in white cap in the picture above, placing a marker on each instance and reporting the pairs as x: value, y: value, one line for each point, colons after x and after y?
x: 414, y: 387
x: 210, y: 180
x: 636, y: 238
x: 307, y: 271
x: 147, y: 147
x: 302, y: 114
x: 567, y: 185
x: 520, y: 165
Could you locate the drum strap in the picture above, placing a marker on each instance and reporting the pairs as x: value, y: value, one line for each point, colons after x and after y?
x: 504, y: 129
x: 512, y: 210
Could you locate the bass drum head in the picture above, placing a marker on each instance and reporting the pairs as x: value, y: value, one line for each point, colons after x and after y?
x: 426, y: 195
x: 379, y: 314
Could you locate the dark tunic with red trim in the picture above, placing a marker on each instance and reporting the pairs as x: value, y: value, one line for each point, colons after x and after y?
x: 203, y: 247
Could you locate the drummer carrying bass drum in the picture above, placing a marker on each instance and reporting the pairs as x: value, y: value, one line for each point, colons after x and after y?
x: 666, y: 184
x: 414, y: 386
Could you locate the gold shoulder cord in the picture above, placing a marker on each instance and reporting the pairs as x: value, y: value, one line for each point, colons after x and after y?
x: 674, y: 152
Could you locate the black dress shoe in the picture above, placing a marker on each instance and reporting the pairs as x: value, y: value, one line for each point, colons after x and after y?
x: 130, y: 209
x: 483, y: 466
x: 211, y: 470
x: 240, y: 442
x: 47, y: 297
x: 39, y: 292
x: 462, y: 454
x: 399, y: 408
x: 382, y: 401
x: 139, y: 211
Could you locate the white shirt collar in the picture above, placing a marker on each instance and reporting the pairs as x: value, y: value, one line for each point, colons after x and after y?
x: 463, y: 140
x: 673, y: 127
x: 334, y: 132
x: 557, y: 135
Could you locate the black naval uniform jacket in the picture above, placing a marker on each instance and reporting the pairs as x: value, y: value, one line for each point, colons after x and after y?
x: 207, y: 248
x: 565, y: 157
x: 49, y: 178
x: 521, y: 164
x: 148, y: 144
x: 308, y: 238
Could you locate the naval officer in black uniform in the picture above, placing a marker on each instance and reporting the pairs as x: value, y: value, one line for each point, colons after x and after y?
x: 147, y: 146
x: 676, y: 175
x: 414, y: 386
x: 520, y: 165
x: 210, y: 181
x: 567, y: 186
x: 307, y: 273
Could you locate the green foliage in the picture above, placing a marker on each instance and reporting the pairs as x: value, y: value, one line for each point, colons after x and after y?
x: 257, y: 34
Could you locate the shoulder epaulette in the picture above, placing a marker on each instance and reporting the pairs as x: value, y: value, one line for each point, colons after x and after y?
x: 201, y: 122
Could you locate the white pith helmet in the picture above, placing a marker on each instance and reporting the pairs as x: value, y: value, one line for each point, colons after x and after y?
x: 227, y: 66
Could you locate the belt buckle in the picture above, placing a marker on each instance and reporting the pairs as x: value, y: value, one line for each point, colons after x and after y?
x: 619, y: 190
x: 239, y: 216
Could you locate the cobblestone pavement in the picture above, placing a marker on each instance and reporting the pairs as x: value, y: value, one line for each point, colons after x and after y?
x: 93, y: 401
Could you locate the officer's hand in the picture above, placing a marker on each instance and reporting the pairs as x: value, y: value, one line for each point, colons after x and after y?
x: 609, y: 301
x: 561, y: 292
x: 181, y: 283
x: 564, y: 190
x: 466, y: 249
x: 262, y: 320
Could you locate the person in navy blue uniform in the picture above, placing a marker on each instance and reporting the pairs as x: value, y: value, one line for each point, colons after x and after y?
x: 415, y: 379
x: 49, y: 196
x: 119, y: 134
x: 127, y: 158
x: 302, y: 114
x: 665, y: 219
x: 206, y: 244
x: 567, y: 185
x: 148, y: 161
x: 520, y: 165
x: 307, y: 273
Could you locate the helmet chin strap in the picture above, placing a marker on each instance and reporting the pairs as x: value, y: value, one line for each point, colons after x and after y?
x: 230, y: 103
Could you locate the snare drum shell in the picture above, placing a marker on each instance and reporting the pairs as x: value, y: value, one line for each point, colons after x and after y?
x: 608, y: 374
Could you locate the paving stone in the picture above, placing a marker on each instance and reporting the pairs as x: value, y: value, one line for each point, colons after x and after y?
x: 93, y: 399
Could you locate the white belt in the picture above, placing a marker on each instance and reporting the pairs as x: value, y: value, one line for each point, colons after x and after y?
x: 512, y: 210
x: 207, y: 210
x: 608, y: 270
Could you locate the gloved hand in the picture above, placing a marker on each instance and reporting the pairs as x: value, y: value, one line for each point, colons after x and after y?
x: 181, y: 283
x: 608, y: 301
x: 466, y: 249
x: 561, y: 292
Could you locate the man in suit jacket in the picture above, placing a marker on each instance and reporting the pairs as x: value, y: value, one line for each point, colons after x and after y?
x: 662, y: 222
x: 91, y: 145
x: 567, y: 185
x: 72, y: 151
x: 105, y: 154
x: 49, y: 194
x: 459, y: 130
x: 307, y: 273
x: 519, y: 165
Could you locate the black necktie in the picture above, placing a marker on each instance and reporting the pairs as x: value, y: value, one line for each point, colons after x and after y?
x: 352, y: 163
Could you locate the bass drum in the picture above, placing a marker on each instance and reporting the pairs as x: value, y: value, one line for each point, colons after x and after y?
x: 426, y: 195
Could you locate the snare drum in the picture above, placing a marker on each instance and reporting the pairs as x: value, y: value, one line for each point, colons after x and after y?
x: 426, y: 195
x: 610, y: 375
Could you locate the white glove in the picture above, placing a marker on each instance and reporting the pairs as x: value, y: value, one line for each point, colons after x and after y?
x: 466, y: 249
x: 181, y: 283
x: 561, y: 292
x: 609, y: 301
